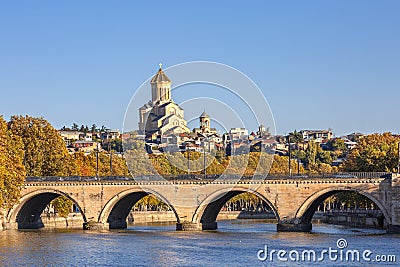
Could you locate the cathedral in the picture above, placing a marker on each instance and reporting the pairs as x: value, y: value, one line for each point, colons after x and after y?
x: 161, y: 115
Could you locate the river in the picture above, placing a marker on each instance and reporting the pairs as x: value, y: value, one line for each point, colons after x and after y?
x: 235, y: 243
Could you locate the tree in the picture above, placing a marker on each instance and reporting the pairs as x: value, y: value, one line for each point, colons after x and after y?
x: 62, y: 205
x: 74, y: 127
x: 324, y: 157
x: 93, y: 128
x: 338, y: 147
x: 311, y: 153
x: 45, y: 151
x: 281, y: 165
x: 113, y: 144
x: 12, y: 171
x: 80, y: 164
x: 150, y: 202
x: 374, y: 153
x: 295, y: 137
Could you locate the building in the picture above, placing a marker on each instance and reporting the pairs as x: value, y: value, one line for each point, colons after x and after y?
x: 110, y: 134
x: 262, y: 131
x: 316, y: 135
x: 238, y: 133
x: 86, y: 146
x: 71, y: 135
x: 161, y: 115
x: 205, y: 125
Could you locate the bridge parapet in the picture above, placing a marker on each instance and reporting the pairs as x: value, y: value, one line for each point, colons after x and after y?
x: 199, y: 177
x: 105, y: 202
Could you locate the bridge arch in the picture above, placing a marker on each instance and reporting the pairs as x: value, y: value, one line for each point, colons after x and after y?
x: 117, y: 209
x: 306, y: 211
x: 208, y: 210
x: 26, y: 214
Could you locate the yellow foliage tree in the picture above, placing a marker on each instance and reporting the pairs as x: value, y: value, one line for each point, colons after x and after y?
x: 374, y: 153
x: 12, y: 171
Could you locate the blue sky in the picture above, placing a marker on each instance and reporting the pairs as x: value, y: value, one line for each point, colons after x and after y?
x: 320, y: 64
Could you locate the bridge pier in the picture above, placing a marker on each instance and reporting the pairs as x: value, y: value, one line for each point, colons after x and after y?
x: 294, y: 227
x: 118, y: 225
x: 95, y: 226
x: 190, y: 226
x: 393, y: 229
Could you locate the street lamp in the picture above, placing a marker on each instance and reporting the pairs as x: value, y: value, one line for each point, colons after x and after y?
x: 188, y: 153
x: 204, y: 158
x: 290, y: 157
x: 398, y: 165
x: 97, y: 161
x: 204, y: 138
x: 109, y: 150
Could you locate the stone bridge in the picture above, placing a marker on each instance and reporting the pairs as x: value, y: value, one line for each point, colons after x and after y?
x: 106, y: 204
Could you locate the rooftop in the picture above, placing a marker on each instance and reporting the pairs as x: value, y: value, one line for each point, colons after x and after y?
x: 160, y: 76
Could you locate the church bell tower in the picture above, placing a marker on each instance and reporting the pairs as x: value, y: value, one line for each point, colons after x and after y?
x: 160, y: 87
x: 204, y: 122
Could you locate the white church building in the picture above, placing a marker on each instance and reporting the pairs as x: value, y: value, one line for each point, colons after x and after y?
x: 161, y: 115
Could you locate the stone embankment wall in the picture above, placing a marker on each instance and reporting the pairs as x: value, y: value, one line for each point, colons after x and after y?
x: 363, y: 219
x: 75, y: 220
x: 367, y: 219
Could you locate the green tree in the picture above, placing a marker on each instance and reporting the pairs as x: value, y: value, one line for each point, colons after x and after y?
x: 311, y: 153
x: 324, y: 157
x: 113, y: 144
x: 296, y: 137
x: 74, y: 127
x: 93, y: 129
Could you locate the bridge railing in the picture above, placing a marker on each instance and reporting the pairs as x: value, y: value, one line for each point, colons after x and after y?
x: 212, y: 177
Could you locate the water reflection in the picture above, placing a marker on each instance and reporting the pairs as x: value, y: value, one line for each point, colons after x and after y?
x: 235, y: 243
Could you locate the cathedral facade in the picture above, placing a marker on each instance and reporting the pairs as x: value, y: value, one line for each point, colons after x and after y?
x: 161, y: 115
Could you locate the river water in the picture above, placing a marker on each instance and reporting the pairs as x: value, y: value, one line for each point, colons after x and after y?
x: 235, y: 243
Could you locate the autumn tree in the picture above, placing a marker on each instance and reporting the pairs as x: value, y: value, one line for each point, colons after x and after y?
x: 12, y: 171
x: 62, y: 205
x: 150, y: 202
x: 281, y: 165
x: 374, y: 153
x: 45, y: 151
x: 80, y: 164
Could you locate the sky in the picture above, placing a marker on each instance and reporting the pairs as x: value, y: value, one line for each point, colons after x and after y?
x: 319, y: 64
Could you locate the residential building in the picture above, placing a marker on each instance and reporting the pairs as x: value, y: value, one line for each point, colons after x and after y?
x: 71, y: 135
x: 316, y: 135
x: 85, y: 146
x: 110, y: 134
x: 238, y: 133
